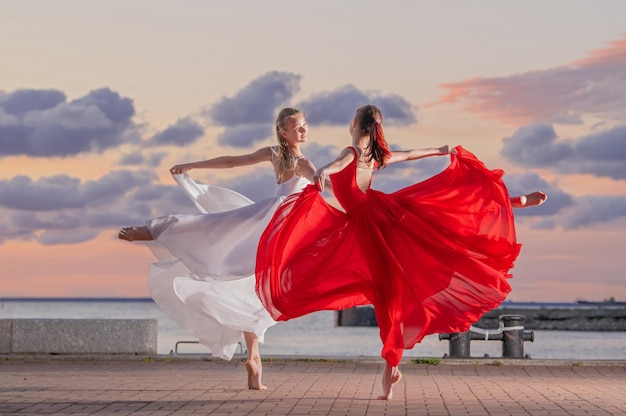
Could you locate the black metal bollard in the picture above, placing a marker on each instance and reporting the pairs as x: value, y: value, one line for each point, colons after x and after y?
x: 459, y: 345
x: 510, y: 332
x: 513, y: 336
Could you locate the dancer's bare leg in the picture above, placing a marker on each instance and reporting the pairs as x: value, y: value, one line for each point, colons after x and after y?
x: 135, y: 234
x: 529, y: 200
x: 391, y: 377
x: 535, y: 198
x: 253, y: 364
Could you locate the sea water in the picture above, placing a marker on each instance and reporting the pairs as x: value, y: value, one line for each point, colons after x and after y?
x: 315, y: 334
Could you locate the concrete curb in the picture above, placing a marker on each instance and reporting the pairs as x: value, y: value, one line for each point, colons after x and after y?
x: 78, y: 336
x: 238, y: 358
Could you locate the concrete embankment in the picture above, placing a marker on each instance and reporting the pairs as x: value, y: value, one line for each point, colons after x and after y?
x: 78, y: 336
x: 542, y: 318
x: 596, y: 319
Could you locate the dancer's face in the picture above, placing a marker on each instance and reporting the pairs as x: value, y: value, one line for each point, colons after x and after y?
x: 296, y: 129
x: 352, y: 126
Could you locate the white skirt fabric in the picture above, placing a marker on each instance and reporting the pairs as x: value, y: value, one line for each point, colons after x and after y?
x: 204, y: 275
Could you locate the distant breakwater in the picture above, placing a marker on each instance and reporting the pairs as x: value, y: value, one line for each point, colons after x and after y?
x: 599, y: 318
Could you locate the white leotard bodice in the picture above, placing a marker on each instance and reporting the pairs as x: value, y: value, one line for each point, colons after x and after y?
x: 293, y: 185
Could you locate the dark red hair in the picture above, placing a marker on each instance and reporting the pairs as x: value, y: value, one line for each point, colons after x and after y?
x: 370, y: 121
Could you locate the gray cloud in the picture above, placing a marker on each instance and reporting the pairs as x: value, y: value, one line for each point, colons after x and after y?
x: 257, y: 102
x: 63, y: 210
x: 535, y: 145
x: 47, y: 228
x: 46, y: 194
x: 114, y: 185
x: 42, y: 124
x: 593, y: 210
x: 154, y: 160
x: 116, y: 108
x: 128, y: 198
x: 185, y: 131
x: 260, y: 183
x: 63, y: 192
x: 585, y: 212
x: 319, y: 154
x: 52, y: 220
x: 610, y: 169
x: 257, y: 185
x: 609, y: 145
x: 52, y: 237
x: 248, y: 116
x: 12, y: 233
x: 130, y: 159
x: 401, y: 175
x: 600, y: 154
x: 23, y: 101
x: 245, y: 135
x: 524, y: 183
x: 562, y: 209
x: 137, y: 158
x: 337, y: 107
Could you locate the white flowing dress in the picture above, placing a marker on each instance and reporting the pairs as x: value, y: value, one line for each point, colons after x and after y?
x: 204, y: 277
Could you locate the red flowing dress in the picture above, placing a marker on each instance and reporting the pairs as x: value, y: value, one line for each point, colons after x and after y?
x: 432, y: 257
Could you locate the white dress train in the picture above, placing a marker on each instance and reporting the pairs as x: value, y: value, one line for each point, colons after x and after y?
x: 204, y: 277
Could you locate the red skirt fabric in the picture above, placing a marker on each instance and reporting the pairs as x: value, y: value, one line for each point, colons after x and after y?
x: 431, y: 258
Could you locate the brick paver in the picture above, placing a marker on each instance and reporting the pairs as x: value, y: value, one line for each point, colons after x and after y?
x: 164, y: 386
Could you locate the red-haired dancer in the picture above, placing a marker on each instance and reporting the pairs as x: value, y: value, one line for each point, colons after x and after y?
x: 432, y: 257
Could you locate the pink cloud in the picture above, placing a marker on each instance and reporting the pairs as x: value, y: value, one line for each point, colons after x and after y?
x: 592, y: 86
x: 614, y: 54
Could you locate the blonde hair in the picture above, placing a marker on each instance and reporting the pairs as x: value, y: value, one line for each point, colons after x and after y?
x: 286, y: 161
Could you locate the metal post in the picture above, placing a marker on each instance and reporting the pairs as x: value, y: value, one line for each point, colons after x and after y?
x: 513, y: 337
x: 339, y: 321
x: 459, y: 345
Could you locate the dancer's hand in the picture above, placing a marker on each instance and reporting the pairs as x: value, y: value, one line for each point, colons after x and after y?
x: 447, y: 150
x: 319, y: 179
x: 179, y: 169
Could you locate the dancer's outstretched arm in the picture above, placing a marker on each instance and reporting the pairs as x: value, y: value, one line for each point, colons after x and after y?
x: 224, y: 162
x: 320, y: 177
x: 404, y: 155
x: 522, y: 201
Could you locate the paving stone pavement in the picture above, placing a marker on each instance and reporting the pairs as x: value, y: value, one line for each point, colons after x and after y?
x: 160, y: 386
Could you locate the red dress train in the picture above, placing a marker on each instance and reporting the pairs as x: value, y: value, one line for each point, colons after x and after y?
x: 432, y: 257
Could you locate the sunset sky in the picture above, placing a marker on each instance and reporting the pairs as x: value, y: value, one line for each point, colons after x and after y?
x: 98, y: 99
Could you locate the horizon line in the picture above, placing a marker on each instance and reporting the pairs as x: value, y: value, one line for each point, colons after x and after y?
x: 143, y: 299
x: 75, y: 298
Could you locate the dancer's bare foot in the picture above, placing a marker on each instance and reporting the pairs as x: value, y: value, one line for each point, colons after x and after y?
x: 135, y: 234
x: 391, y: 377
x: 535, y: 198
x: 255, y: 369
